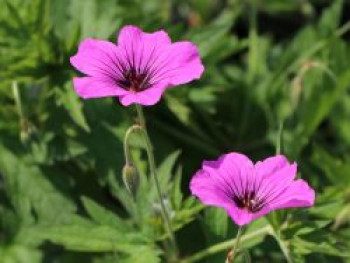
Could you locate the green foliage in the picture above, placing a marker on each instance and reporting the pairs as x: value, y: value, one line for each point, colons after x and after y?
x: 268, y: 63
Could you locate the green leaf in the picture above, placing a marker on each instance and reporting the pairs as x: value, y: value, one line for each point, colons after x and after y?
x: 89, y: 238
x: 321, y: 103
x: 186, y: 215
x: 103, y: 216
x: 19, y: 254
x: 72, y: 103
x: 324, y: 246
x: 142, y: 255
x: 257, y: 231
x: 28, y: 188
x: 93, y: 18
x: 165, y: 169
x: 335, y: 169
x: 213, y: 42
x: 331, y: 18
x: 216, y: 222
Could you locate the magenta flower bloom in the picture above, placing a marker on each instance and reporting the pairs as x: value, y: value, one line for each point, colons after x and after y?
x: 138, y: 69
x: 248, y: 191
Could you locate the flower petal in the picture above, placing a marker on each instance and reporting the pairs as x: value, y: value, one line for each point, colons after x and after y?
x: 219, y: 181
x: 180, y: 64
x: 150, y: 57
x: 207, y: 188
x: 97, y: 58
x: 92, y: 87
x: 146, y: 97
x: 142, y: 49
x: 298, y: 194
x: 266, y: 209
x: 239, y: 216
x: 129, y: 34
x: 247, y: 191
x: 236, y: 171
x: 271, y: 165
x: 230, y: 161
x: 275, y: 175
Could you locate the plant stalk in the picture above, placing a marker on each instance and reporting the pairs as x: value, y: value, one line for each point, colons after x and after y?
x: 234, y: 251
x: 152, y: 165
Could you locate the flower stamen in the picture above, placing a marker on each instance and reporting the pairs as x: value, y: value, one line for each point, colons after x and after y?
x: 249, y: 202
x: 134, y: 81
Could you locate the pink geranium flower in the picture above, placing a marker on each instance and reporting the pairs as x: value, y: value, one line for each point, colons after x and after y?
x: 248, y: 191
x: 137, y: 69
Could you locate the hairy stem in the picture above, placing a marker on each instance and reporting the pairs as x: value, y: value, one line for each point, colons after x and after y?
x: 152, y: 165
x: 234, y: 251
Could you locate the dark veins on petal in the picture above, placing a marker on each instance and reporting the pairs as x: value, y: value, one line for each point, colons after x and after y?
x: 249, y: 195
x: 136, y: 74
x: 134, y: 81
x: 134, y: 77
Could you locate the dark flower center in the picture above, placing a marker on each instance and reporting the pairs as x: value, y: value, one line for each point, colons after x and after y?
x: 134, y: 81
x: 249, y: 201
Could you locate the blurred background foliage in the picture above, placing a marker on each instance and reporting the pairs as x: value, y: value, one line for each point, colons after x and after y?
x: 277, y: 77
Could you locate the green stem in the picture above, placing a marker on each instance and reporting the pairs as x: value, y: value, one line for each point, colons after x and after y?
x: 151, y: 160
x: 225, y: 245
x: 230, y: 259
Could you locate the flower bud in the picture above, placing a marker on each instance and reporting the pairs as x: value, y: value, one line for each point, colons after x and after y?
x: 131, y: 179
